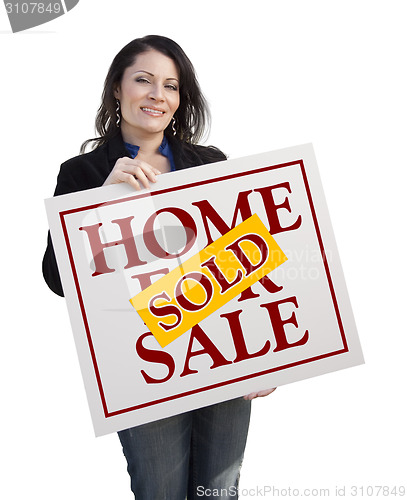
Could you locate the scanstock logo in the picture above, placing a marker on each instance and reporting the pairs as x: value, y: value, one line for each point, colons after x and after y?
x: 24, y: 15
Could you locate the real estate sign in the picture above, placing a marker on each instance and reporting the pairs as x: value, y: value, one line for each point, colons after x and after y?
x: 233, y: 266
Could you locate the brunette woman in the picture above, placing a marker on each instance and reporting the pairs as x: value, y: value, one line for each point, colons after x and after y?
x: 150, y: 121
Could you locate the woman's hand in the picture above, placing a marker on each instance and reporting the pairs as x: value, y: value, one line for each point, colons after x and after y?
x: 259, y: 394
x: 135, y: 172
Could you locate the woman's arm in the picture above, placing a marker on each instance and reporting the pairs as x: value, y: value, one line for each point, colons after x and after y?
x: 50, y: 269
x: 86, y: 172
x: 66, y: 183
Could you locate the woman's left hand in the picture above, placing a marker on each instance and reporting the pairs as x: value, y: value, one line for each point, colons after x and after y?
x: 259, y: 394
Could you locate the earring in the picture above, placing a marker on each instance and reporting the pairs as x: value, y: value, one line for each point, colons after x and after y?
x: 174, y: 132
x: 117, y: 113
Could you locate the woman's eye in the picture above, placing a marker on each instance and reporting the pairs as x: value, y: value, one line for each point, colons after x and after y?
x: 172, y: 87
x: 142, y: 80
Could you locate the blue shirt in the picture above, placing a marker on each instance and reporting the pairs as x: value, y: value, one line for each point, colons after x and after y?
x: 164, y: 149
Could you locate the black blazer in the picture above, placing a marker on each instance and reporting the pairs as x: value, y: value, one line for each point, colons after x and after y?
x: 90, y: 170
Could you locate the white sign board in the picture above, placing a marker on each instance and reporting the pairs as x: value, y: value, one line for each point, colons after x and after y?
x: 112, y: 242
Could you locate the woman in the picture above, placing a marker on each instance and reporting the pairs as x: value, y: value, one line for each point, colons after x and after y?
x: 150, y: 120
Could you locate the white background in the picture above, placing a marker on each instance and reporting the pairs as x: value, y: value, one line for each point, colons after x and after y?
x: 276, y: 74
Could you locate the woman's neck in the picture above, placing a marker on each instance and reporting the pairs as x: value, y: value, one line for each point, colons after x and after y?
x: 148, y: 144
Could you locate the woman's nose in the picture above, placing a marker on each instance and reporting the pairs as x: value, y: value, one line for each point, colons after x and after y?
x: 156, y: 93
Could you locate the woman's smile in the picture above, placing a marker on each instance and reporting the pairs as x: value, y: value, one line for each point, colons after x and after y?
x: 152, y: 111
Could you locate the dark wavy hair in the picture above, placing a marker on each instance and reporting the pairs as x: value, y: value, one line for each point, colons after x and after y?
x: 192, y: 116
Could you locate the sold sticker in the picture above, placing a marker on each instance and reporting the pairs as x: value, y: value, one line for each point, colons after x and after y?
x: 208, y: 280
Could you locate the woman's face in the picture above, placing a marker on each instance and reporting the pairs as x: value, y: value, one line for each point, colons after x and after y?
x: 148, y: 95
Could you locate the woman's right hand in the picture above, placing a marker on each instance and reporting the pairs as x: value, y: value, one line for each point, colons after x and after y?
x: 135, y: 172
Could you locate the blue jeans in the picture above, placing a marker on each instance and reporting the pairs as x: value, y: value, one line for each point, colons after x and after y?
x: 192, y: 455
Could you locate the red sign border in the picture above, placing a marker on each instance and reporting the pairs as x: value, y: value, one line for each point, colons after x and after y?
x: 65, y: 213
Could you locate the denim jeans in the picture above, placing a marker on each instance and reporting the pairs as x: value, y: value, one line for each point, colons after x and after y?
x: 192, y: 455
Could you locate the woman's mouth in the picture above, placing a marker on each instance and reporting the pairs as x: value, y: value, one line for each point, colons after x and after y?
x: 152, y: 111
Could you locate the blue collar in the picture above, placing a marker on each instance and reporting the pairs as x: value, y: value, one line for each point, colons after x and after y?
x: 164, y: 149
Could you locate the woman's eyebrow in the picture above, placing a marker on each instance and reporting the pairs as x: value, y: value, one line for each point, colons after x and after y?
x: 152, y: 74
x: 143, y: 71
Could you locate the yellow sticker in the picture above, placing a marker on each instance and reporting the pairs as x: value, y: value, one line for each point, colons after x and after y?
x: 205, y: 282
